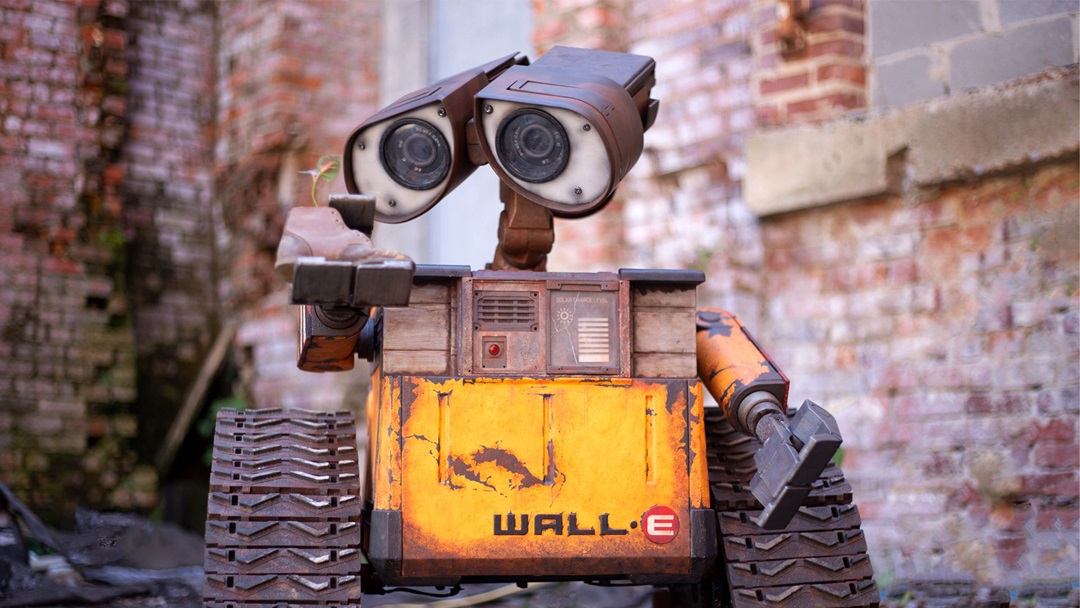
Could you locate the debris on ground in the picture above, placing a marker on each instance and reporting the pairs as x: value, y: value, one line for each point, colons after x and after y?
x: 105, y: 557
x: 120, y: 560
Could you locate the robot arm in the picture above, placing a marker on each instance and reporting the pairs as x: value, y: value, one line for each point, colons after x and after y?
x: 752, y: 393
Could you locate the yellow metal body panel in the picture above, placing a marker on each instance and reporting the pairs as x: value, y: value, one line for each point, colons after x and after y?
x: 572, y: 465
x: 699, y: 468
x: 386, y: 434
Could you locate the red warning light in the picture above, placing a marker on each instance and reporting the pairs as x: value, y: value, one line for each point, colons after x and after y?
x: 494, y: 350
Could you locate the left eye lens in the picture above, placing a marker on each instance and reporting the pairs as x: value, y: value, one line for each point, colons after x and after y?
x: 415, y: 154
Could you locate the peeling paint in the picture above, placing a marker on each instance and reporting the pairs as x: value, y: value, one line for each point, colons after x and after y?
x: 463, y: 469
x: 507, y: 460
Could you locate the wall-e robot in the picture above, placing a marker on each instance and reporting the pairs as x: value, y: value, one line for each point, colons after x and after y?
x: 523, y: 425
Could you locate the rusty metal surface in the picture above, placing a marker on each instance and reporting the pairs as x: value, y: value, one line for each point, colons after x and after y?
x: 818, y: 560
x: 527, y: 477
x: 283, y: 510
x: 526, y: 234
x: 732, y: 365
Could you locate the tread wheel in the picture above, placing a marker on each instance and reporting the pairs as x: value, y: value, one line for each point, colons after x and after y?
x: 819, y: 560
x: 283, y: 513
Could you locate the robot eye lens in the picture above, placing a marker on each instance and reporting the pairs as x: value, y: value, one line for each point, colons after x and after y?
x: 532, y: 146
x: 419, y: 150
x: 537, y: 142
x: 415, y: 154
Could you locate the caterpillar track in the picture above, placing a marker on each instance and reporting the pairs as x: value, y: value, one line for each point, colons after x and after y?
x: 819, y: 560
x: 283, y: 514
x: 284, y: 511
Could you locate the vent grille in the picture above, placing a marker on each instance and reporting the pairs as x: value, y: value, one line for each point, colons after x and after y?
x: 506, y: 311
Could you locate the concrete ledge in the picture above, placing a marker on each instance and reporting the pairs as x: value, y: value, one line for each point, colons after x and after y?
x: 986, y: 131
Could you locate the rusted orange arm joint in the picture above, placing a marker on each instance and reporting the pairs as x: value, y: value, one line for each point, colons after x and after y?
x: 736, y: 371
x: 752, y: 393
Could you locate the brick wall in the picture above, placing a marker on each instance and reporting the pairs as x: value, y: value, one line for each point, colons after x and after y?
x: 808, y: 59
x: 169, y: 225
x: 149, y: 153
x: 294, y: 79
x: 67, y: 374
x: 944, y: 334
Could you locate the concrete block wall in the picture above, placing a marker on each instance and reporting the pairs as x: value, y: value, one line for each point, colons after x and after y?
x: 922, y: 49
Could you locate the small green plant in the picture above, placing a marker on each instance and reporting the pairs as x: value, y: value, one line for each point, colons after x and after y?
x: 838, y: 457
x: 327, y: 169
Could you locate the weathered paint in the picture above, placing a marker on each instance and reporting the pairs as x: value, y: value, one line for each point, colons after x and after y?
x: 732, y: 365
x: 372, y: 422
x: 386, y: 470
x: 699, y: 468
x: 582, y: 461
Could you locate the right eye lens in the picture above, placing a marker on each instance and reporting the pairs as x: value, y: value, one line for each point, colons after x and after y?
x: 532, y: 146
x: 415, y: 154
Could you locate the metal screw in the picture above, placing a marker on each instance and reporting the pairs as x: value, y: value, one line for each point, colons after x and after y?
x: 392, y: 203
x: 587, y: 127
x: 442, y: 111
x: 577, y: 190
x: 488, y: 109
x: 361, y: 145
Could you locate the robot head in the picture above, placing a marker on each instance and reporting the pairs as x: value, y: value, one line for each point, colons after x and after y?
x: 562, y: 132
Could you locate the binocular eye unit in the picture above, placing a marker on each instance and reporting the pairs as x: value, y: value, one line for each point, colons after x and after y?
x: 532, y: 145
x: 415, y: 154
x: 560, y: 133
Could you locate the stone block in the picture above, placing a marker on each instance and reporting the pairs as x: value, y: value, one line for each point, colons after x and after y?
x: 1012, y: 11
x: 898, y: 26
x: 1019, y: 51
x: 905, y: 81
x: 787, y: 169
x: 990, y: 130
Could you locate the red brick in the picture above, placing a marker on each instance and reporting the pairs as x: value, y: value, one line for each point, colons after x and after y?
x: 943, y: 464
x: 990, y: 403
x: 855, y: 74
x: 951, y: 240
x: 1010, y: 550
x: 1059, y: 456
x: 842, y: 47
x: 826, y: 103
x: 767, y: 115
x: 821, y: 21
x: 1062, y: 484
x: 1055, y: 429
x: 784, y: 83
x: 1056, y: 517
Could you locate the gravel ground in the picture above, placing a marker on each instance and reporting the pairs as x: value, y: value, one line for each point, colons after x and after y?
x: 571, y: 595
